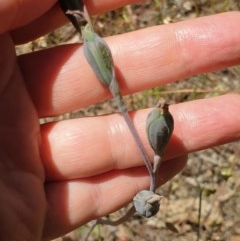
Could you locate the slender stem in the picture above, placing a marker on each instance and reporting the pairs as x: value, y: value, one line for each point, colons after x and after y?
x: 115, y: 90
x: 86, y: 15
x: 87, y: 235
x: 122, y: 108
x: 157, y: 163
x: 123, y: 219
x: 199, y: 215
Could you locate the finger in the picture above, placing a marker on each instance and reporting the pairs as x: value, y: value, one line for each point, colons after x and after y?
x: 54, y: 18
x: 16, y: 13
x: 89, y: 146
x: 163, y: 54
x: 74, y: 203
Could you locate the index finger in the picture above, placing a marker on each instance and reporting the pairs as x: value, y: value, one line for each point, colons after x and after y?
x: 162, y: 54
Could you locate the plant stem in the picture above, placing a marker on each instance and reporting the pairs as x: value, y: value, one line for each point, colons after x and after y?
x: 121, y: 220
x: 115, y: 91
x: 157, y: 161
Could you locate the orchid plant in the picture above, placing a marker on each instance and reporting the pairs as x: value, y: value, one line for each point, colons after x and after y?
x: 159, y: 126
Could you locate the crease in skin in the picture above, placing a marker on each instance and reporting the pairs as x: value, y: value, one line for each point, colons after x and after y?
x: 7, y: 59
x: 189, y: 36
x: 121, y: 141
x: 117, y: 132
x: 117, y: 129
x: 189, y: 117
x: 205, y: 118
x: 136, y: 69
x: 206, y: 39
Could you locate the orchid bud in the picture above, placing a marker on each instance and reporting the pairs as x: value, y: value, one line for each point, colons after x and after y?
x: 98, y: 55
x: 159, y: 127
x: 147, y: 203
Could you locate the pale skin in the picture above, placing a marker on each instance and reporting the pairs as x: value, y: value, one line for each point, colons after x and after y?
x: 57, y: 177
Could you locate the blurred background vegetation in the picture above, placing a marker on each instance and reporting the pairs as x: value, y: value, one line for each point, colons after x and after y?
x: 210, y: 182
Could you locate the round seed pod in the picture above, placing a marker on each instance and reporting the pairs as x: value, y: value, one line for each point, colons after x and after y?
x: 159, y: 127
x: 147, y: 203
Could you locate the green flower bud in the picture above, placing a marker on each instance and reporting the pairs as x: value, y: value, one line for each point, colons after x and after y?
x: 159, y: 127
x: 98, y: 55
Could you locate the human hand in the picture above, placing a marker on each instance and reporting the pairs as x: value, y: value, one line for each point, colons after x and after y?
x: 58, y: 176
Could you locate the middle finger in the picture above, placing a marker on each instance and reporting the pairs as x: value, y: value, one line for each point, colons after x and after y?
x: 89, y: 146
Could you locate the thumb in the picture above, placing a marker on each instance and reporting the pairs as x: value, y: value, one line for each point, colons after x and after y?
x: 15, y: 13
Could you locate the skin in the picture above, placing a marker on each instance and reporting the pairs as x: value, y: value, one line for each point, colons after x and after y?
x: 56, y: 177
